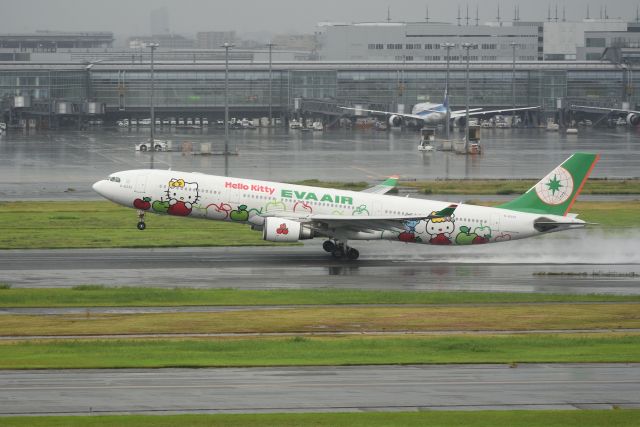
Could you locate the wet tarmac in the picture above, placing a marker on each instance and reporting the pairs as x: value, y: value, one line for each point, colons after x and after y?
x: 320, y: 389
x: 582, y: 262
x: 63, y: 164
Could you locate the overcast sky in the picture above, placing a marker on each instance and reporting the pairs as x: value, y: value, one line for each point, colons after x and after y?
x: 131, y: 17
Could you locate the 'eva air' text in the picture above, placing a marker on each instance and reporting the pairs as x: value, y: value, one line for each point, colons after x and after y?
x: 310, y: 195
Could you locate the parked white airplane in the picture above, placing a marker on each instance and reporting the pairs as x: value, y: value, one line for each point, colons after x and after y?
x: 288, y: 213
x: 632, y: 117
x: 432, y: 114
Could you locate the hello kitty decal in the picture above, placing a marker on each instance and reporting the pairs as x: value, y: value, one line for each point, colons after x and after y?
x: 181, y: 196
x: 440, y: 230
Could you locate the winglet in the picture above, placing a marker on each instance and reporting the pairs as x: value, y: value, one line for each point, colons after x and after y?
x: 444, y: 213
x: 384, y: 187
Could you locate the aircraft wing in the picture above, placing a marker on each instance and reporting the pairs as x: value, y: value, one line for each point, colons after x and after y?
x: 363, y: 223
x: 611, y: 110
x: 384, y: 187
x: 479, y: 111
x: 384, y: 113
x: 463, y: 112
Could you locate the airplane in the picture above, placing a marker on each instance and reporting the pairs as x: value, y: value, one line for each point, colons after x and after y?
x: 433, y: 114
x: 633, y: 117
x: 290, y: 213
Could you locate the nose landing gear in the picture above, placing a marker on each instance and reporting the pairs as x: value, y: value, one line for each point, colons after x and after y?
x: 141, y: 225
x: 340, y: 250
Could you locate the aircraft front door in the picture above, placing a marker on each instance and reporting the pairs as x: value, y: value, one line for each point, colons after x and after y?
x: 495, y: 223
x: 141, y: 183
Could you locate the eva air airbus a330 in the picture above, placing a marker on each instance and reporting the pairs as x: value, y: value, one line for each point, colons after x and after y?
x: 288, y: 213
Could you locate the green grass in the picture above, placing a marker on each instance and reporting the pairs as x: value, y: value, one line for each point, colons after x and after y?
x: 320, y: 351
x: 609, y: 214
x: 484, y: 186
x: 580, y: 418
x: 510, y: 186
x: 101, y: 296
x: 523, y: 317
x: 35, y: 225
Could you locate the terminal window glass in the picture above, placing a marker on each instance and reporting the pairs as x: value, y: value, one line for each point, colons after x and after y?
x: 595, y: 42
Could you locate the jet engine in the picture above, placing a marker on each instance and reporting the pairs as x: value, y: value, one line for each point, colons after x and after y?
x: 284, y: 230
x: 395, y: 121
x: 633, y: 119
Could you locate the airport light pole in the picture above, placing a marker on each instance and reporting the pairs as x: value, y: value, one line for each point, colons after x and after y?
x: 447, y: 46
x: 153, y: 46
x: 467, y: 47
x: 226, y: 47
x: 270, y: 46
x: 513, y: 86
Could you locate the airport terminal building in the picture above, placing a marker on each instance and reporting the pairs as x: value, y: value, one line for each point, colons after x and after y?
x: 119, y: 90
x: 51, y: 85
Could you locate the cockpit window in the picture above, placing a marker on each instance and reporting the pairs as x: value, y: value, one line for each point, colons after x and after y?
x: 114, y: 179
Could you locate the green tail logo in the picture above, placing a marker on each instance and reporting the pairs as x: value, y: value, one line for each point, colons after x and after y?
x: 555, y: 193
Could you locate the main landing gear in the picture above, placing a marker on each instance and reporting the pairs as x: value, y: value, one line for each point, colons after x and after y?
x: 340, y: 250
x: 141, y: 225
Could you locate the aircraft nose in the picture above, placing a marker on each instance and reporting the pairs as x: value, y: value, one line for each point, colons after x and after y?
x: 99, y: 187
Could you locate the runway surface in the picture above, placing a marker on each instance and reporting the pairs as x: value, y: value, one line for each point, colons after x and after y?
x: 313, y: 389
x: 585, y: 261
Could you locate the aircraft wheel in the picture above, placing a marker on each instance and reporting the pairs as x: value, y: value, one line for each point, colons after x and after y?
x: 141, y: 226
x: 329, y: 246
x: 352, y: 254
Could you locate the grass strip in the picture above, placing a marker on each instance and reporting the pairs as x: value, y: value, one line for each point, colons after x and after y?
x: 320, y: 351
x: 101, y: 296
x: 580, y: 418
x: 486, y: 186
x: 517, y: 186
x: 333, y: 319
x: 97, y: 224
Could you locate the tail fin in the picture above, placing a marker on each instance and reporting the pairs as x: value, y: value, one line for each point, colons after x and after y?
x: 446, y: 98
x: 555, y: 193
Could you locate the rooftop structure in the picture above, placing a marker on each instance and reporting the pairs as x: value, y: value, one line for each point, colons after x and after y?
x: 564, y: 40
x: 51, y: 41
x: 422, y: 41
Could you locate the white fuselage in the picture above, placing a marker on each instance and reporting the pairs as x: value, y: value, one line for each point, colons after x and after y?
x: 249, y: 201
x: 430, y: 113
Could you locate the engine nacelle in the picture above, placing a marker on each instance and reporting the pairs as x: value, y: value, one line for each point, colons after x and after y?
x: 284, y: 230
x: 395, y: 121
x: 633, y: 119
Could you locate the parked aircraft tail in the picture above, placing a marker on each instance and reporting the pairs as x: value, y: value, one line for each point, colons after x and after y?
x: 555, y: 193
